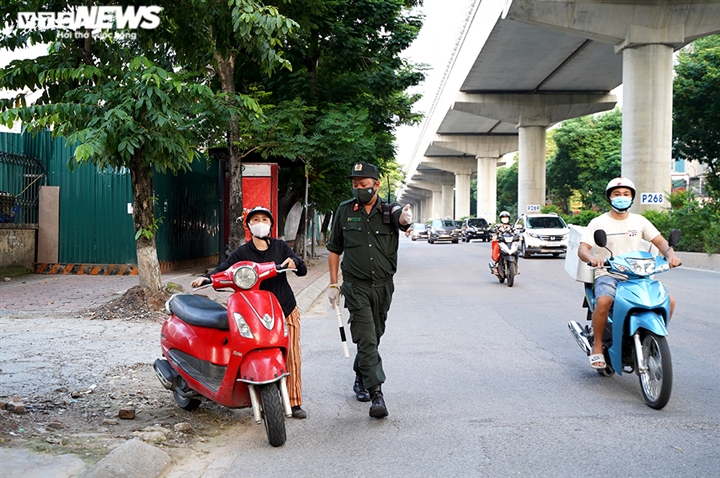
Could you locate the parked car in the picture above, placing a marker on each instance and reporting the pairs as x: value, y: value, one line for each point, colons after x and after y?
x: 475, y: 228
x: 443, y: 230
x: 419, y: 231
x: 543, y: 234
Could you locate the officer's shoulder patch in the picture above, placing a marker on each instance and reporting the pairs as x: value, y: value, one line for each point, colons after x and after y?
x: 395, y: 208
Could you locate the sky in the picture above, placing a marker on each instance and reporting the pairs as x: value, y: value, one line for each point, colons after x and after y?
x: 444, y: 20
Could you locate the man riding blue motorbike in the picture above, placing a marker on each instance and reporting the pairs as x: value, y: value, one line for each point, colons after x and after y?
x: 625, y: 232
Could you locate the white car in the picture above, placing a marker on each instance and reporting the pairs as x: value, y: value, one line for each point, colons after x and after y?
x: 543, y: 234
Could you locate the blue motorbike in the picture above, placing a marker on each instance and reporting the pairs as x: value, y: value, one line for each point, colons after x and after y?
x: 635, y: 335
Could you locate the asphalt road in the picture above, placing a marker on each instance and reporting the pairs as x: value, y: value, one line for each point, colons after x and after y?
x: 486, y: 380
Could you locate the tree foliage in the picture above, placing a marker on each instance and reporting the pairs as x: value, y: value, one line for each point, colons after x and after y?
x: 507, y: 188
x: 350, y: 81
x: 696, y: 107
x: 588, y: 155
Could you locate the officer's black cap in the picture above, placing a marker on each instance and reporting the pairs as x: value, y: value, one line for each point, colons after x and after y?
x: 364, y: 170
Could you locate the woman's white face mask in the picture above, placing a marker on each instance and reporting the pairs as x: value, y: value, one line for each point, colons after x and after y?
x: 505, y: 220
x: 260, y: 229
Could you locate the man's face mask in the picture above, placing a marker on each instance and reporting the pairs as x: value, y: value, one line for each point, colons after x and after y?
x: 504, y: 220
x: 260, y: 229
x: 364, y: 195
x: 621, y: 203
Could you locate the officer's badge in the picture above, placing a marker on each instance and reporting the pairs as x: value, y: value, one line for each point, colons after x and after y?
x: 358, y: 167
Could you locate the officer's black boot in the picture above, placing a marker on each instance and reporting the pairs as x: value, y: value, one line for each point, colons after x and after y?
x: 378, y: 408
x: 360, y: 393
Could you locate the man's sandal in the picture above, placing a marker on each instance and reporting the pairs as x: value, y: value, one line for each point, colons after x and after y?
x: 597, y: 359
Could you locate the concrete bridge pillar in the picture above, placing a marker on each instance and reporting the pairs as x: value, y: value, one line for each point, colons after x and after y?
x: 647, y: 119
x: 448, y: 199
x: 462, y: 194
x: 437, y: 204
x: 487, y: 188
x: 531, y: 168
x: 532, y: 114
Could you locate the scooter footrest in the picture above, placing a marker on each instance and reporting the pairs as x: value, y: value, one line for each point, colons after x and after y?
x: 208, y: 374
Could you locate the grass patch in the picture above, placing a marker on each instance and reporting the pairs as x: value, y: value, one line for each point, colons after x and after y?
x: 14, y: 271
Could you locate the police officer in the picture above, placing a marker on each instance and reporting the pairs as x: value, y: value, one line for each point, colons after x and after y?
x: 366, y: 230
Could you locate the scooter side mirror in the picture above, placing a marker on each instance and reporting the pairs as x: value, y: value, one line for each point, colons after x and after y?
x: 600, y: 238
x: 674, y: 238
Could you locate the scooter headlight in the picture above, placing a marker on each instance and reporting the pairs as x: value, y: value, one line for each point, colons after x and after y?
x: 242, y: 326
x: 245, y: 277
x: 642, y: 267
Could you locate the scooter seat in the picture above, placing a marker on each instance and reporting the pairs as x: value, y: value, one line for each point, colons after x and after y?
x: 199, y: 310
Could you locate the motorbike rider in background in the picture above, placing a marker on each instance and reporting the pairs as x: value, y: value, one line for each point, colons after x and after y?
x: 502, y: 227
x: 625, y: 233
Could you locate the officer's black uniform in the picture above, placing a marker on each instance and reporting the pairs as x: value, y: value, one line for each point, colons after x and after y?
x: 369, y: 243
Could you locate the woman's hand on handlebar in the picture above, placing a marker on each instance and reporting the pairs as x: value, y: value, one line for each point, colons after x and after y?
x: 200, y: 281
x: 288, y: 264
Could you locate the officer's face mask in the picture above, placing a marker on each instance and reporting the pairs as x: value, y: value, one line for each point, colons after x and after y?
x: 364, y: 195
x: 621, y: 203
x: 260, y: 229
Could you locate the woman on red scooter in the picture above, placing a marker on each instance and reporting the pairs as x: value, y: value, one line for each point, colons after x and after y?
x: 263, y: 248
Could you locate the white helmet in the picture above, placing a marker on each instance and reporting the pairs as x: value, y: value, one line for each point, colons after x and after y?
x: 619, y: 183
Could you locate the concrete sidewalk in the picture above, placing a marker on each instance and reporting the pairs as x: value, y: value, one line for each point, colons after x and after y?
x: 38, y: 295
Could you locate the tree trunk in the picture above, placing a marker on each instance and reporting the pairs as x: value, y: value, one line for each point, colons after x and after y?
x: 226, y: 71
x: 301, y: 235
x: 326, y: 226
x: 143, y: 214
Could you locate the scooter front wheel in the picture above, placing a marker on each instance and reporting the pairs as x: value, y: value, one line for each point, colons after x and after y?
x: 273, y: 416
x: 656, y: 381
x: 511, y: 274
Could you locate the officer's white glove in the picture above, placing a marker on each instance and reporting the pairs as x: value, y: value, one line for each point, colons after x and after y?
x: 406, y: 215
x: 333, y: 294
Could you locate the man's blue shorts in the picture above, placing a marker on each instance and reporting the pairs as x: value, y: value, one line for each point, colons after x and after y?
x: 606, y: 285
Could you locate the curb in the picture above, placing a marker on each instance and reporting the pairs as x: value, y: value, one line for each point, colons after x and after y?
x: 310, y: 293
x: 700, y: 260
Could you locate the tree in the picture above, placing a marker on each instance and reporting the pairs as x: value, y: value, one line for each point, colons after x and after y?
x: 348, y: 85
x: 230, y: 36
x: 128, y: 103
x: 587, y: 157
x: 121, y: 111
x: 696, y: 107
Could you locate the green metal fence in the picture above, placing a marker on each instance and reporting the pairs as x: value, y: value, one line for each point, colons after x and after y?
x: 95, y: 206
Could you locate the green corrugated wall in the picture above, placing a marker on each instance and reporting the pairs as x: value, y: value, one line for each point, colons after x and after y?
x: 95, y: 226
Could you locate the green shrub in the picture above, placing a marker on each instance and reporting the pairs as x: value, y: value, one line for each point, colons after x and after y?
x: 698, y: 222
x: 583, y: 218
x: 551, y: 208
x: 711, y: 238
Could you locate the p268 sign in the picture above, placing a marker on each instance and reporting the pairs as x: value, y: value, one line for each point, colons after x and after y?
x: 651, y: 198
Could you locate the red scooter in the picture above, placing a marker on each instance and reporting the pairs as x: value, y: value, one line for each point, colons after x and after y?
x: 236, y: 356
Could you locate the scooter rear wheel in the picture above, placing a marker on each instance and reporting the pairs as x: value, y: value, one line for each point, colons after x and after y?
x: 273, y: 416
x: 188, y: 404
x: 656, y: 383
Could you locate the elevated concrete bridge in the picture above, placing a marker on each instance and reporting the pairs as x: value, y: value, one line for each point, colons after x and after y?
x: 522, y: 66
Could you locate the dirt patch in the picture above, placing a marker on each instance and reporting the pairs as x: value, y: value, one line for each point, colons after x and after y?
x: 72, y: 390
x: 136, y: 303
